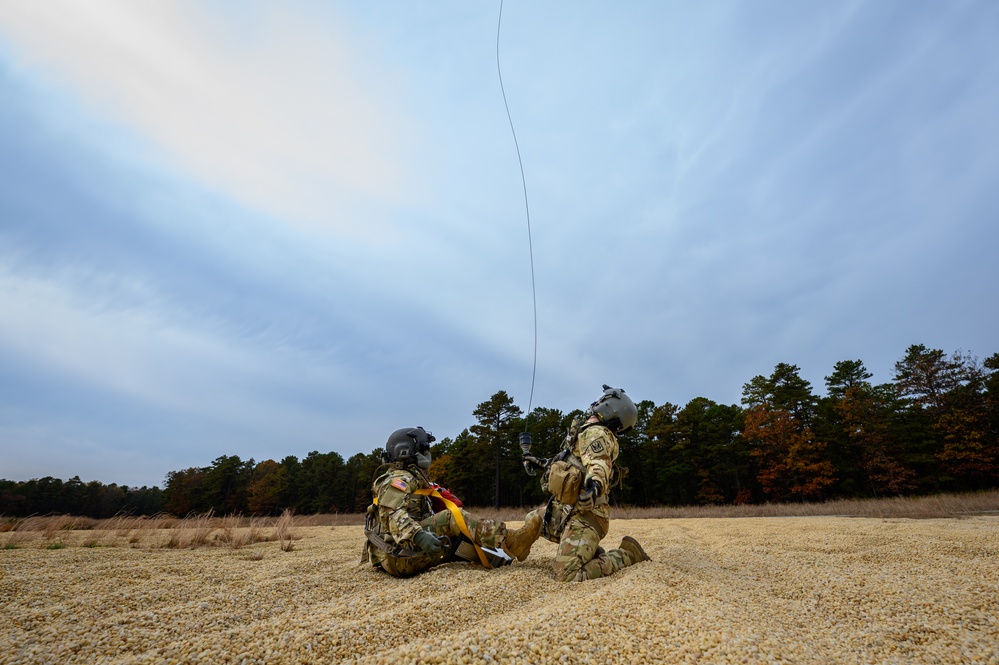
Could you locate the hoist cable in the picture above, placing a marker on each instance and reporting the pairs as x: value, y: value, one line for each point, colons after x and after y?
x: 527, y: 207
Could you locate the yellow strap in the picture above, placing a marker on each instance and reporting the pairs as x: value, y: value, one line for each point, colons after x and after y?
x: 459, y: 519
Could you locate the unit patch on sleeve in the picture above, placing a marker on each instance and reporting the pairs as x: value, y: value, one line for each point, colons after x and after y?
x: 597, y: 447
x: 400, y: 484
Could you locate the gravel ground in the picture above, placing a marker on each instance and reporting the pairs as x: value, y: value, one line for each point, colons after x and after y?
x: 750, y: 590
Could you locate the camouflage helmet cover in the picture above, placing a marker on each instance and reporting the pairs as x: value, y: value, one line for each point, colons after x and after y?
x: 615, y: 410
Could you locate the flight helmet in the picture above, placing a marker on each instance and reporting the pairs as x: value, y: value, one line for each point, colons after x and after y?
x: 409, y: 445
x: 615, y: 410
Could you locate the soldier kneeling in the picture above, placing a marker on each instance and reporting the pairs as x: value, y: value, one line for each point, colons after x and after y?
x: 406, y: 536
x: 579, y: 478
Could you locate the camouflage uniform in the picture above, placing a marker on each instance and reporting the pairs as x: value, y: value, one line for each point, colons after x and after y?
x: 579, y: 532
x: 401, y: 514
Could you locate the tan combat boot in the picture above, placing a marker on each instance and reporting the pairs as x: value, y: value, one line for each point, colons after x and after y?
x: 634, y: 550
x: 518, y: 543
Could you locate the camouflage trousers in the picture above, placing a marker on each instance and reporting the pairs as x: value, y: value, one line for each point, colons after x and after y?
x: 580, y: 556
x: 485, y: 533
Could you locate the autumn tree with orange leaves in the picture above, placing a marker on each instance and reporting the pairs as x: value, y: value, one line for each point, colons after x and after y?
x: 863, y: 417
x: 951, y: 392
x: 791, y: 461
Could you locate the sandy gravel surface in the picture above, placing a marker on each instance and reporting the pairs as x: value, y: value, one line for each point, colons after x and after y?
x: 765, y: 590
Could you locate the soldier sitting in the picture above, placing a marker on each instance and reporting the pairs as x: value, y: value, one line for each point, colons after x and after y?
x: 404, y: 534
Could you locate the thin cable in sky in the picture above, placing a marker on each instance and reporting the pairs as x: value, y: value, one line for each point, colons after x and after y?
x: 527, y: 208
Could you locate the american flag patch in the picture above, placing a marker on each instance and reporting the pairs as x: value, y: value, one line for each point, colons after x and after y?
x: 400, y: 484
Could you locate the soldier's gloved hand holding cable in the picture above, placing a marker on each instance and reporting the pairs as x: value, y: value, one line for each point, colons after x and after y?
x: 428, y: 542
x: 588, y: 494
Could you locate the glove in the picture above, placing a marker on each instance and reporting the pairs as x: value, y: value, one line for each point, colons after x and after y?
x: 588, y: 494
x: 428, y: 542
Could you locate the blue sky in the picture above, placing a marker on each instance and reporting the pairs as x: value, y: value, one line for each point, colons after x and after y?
x: 260, y: 230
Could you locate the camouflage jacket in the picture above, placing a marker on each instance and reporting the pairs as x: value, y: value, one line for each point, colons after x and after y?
x: 594, y: 449
x: 399, y: 509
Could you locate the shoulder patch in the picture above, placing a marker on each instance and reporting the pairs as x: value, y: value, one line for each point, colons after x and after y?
x: 400, y: 484
x: 597, y: 442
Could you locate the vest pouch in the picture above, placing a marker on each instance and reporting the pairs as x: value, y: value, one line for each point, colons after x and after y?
x: 564, y: 481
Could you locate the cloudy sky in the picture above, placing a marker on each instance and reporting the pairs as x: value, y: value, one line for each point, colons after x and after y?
x: 261, y: 229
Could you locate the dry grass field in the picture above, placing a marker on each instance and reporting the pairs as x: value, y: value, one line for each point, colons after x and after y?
x: 819, y: 589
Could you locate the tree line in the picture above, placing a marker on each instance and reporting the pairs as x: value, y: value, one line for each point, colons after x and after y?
x: 933, y: 428
x: 48, y: 495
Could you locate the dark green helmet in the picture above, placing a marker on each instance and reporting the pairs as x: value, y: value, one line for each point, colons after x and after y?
x: 409, y: 445
x: 615, y: 410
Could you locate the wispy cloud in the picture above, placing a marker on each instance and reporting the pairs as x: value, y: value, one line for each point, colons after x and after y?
x: 295, y: 124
